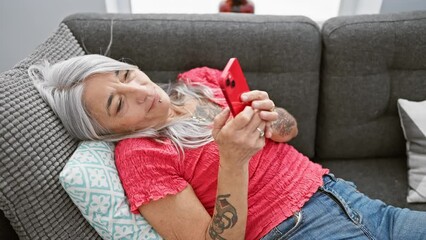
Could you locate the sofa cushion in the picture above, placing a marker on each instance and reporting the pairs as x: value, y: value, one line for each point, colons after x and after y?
x: 33, y: 149
x: 378, y: 178
x: 369, y: 61
x: 91, y: 180
x: 279, y: 54
x: 413, y: 122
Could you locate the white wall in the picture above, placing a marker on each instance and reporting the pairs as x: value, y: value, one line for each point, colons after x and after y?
x: 314, y: 9
x: 25, y: 24
x: 356, y: 7
x: 391, y: 6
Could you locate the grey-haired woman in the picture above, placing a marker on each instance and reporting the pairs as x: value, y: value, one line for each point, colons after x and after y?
x: 194, y: 172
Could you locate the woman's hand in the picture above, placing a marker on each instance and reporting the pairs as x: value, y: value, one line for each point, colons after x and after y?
x: 239, y: 138
x: 266, y: 107
x: 281, y: 126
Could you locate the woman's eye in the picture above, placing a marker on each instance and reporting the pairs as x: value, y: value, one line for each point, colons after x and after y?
x: 124, y: 78
x: 126, y: 75
x: 120, y: 105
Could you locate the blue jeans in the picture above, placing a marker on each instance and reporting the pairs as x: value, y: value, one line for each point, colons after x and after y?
x: 338, y: 211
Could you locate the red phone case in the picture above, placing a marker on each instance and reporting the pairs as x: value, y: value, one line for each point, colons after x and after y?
x: 233, y: 84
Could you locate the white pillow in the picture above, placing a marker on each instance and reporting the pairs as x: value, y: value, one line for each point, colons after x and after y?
x: 91, y: 180
x: 413, y: 122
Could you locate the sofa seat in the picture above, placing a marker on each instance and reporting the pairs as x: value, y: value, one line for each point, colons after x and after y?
x: 378, y: 178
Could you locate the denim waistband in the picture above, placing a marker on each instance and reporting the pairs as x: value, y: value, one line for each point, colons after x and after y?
x: 327, y: 178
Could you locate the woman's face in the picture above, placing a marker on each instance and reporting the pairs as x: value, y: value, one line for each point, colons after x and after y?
x: 125, y: 101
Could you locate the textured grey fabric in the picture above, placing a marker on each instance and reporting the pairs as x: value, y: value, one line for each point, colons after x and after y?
x: 33, y: 149
x: 369, y: 61
x: 378, y: 178
x: 279, y: 54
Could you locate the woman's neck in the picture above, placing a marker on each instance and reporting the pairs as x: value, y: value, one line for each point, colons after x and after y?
x: 179, y: 111
x: 198, y: 110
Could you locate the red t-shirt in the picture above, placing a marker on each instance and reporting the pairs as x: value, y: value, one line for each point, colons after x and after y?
x: 281, y: 179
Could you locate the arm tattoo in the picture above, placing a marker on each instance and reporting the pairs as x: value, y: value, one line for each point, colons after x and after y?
x: 226, y: 217
x: 285, y: 122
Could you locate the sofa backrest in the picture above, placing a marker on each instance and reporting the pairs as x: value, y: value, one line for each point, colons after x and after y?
x: 368, y: 62
x: 279, y: 54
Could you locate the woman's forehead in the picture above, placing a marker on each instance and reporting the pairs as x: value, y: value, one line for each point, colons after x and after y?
x: 97, y: 90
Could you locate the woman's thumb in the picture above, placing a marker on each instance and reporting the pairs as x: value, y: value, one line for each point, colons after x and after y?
x: 220, y: 120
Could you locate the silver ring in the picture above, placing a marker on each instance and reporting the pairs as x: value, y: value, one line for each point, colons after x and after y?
x: 262, y: 133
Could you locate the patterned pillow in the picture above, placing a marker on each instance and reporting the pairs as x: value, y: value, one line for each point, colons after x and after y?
x: 413, y: 121
x: 91, y: 180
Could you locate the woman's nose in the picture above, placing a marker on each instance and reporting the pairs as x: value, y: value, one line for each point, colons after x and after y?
x: 137, y: 92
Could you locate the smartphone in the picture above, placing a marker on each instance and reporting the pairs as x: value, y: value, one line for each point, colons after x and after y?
x: 233, y: 84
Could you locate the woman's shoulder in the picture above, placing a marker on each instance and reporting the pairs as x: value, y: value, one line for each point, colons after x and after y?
x: 205, y: 75
x: 143, y: 146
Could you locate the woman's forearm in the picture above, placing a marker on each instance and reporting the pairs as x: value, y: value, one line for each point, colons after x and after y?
x: 230, y: 215
x: 238, y: 140
x: 285, y: 127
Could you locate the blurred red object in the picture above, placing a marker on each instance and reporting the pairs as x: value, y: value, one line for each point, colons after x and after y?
x: 237, y: 6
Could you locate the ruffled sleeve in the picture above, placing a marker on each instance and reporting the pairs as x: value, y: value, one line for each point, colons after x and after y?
x: 148, y: 170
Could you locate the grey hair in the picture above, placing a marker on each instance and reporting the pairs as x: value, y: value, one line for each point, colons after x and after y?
x: 61, y: 85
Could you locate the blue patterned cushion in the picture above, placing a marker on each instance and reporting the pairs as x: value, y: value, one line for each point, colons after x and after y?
x: 91, y: 180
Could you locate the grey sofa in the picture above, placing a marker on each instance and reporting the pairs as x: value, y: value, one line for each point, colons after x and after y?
x: 340, y: 81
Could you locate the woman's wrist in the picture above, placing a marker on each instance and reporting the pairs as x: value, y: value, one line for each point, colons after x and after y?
x: 228, y: 167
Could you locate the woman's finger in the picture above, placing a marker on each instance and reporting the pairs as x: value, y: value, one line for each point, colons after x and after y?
x: 268, y: 130
x: 265, y: 104
x: 268, y: 116
x: 260, y: 130
x: 243, y: 118
x: 254, y: 95
x: 255, y: 122
x: 220, y: 121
